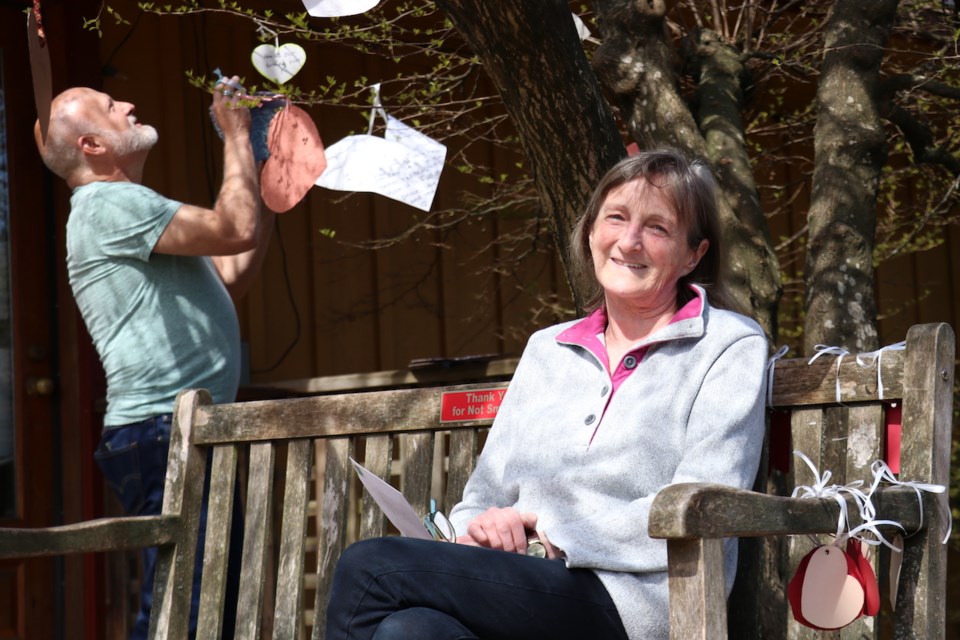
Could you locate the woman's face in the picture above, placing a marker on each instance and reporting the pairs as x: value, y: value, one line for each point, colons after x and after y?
x: 639, y: 247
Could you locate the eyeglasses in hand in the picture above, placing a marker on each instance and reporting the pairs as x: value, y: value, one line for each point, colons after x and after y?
x: 438, y: 525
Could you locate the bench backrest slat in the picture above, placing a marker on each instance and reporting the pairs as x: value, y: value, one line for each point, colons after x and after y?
x: 293, y: 537
x: 258, y: 523
x: 223, y: 486
x: 331, y: 522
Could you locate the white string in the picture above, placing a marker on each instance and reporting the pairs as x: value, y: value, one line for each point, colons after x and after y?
x: 771, y: 366
x: 377, y: 108
x: 820, y: 489
x: 883, y: 473
x: 868, y: 513
x: 265, y: 32
x: 836, y: 351
x: 875, y: 357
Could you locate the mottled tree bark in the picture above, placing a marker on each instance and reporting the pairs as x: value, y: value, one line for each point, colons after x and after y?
x: 636, y: 64
x: 536, y: 61
x: 849, y: 154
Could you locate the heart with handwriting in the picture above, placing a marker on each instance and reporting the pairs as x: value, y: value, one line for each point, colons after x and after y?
x: 279, y: 63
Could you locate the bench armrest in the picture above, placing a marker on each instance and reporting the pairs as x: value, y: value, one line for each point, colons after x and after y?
x: 103, y: 534
x: 699, y: 510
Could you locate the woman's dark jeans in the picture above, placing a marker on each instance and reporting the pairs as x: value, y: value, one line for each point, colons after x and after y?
x: 396, y: 587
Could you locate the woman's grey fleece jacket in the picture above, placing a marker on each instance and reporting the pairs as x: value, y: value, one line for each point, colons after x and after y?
x: 692, y: 411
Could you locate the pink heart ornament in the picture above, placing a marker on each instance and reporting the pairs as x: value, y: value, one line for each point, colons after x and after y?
x: 831, y: 597
x: 296, y: 159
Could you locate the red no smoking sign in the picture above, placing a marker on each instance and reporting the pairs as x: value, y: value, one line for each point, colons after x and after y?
x: 476, y: 404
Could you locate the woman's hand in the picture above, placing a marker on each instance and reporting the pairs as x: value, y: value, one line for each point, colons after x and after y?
x: 552, y: 552
x: 504, y: 529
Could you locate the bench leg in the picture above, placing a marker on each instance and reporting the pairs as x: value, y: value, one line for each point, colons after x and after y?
x: 698, y: 602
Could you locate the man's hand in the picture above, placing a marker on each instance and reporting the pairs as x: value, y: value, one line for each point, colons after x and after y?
x: 232, y: 119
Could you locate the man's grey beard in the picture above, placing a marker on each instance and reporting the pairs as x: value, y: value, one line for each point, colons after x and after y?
x: 132, y: 140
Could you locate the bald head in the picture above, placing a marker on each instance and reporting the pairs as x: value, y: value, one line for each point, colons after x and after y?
x: 90, y: 132
x: 61, y: 152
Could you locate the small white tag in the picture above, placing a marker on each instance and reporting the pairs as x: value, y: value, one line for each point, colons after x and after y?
x: 896, y: 561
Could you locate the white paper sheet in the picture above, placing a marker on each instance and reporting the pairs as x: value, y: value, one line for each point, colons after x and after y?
x: 394, y: 505
x: 404, y: 165
x: 335, y: 8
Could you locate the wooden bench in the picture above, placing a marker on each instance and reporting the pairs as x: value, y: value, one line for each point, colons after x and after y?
x: 845, y: 438
x: 303, y: 503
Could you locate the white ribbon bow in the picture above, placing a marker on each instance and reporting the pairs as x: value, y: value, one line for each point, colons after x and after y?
x: 821, y: 489
x: 882, y: 473
x: 875, y: 357
x: 835, y: 351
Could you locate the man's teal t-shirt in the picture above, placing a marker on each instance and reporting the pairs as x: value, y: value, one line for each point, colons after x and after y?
x: 161, y: 323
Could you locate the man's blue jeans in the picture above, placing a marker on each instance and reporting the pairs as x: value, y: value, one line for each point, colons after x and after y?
x: 133, y: 459
x: 394, y: 587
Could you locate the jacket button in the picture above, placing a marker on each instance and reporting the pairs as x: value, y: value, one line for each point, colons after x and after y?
x: 630, y: 362
x: 590, y: 419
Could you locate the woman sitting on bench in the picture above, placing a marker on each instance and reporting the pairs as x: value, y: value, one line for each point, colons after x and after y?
x: 660, y: 383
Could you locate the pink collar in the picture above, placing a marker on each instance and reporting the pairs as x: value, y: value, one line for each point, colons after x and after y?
x: 585, y: 332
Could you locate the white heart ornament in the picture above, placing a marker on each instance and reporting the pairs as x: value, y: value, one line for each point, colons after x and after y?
x: 831, y: 598
x: 278, y: 63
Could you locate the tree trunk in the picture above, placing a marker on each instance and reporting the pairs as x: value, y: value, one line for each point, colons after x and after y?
x: 636, y: 64
x: 849, y: 153
x: 536, y: 61
x: 754, y: 272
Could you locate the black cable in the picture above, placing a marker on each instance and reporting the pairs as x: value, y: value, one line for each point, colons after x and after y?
x: 293, y: 303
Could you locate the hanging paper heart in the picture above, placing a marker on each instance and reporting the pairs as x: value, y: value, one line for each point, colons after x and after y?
x: 833, y: 587
x: 296, y: 159
x: 40, y: 71
x: 335, y: 8
x: 278, y: 63
x: 871, y: 590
